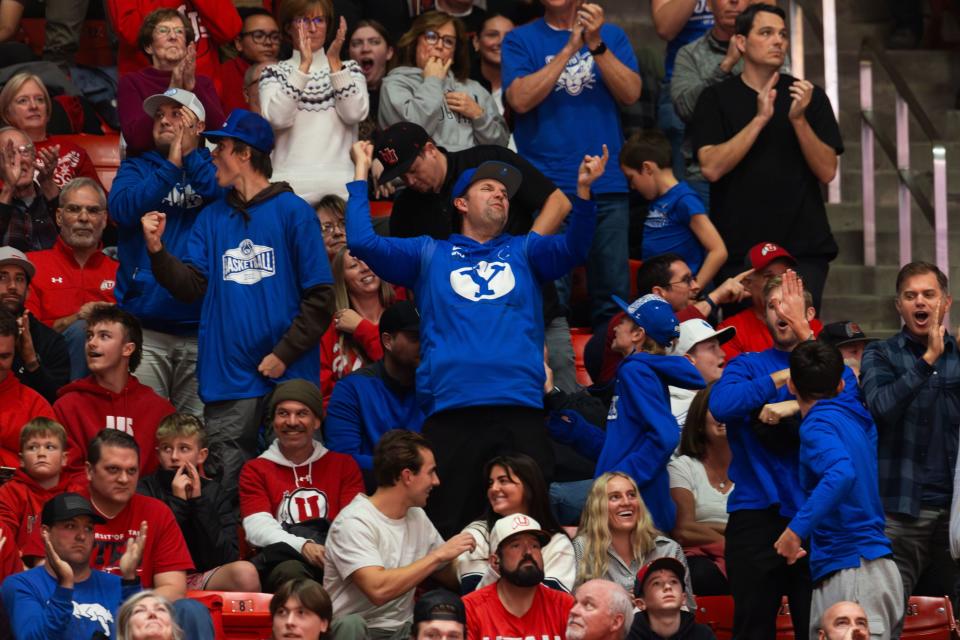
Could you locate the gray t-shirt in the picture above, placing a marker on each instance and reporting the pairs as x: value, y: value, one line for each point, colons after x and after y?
x: 361, y: 536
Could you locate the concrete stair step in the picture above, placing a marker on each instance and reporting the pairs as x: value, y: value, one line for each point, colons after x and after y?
x: 888, y: 246
x: 852, y: 279
x: 873, y: 312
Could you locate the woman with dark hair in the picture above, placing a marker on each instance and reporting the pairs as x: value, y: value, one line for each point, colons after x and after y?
x: 353, y: 339
x: 300, y: 609
x: 431, y: 87
x: 516, y: 485
x: 371, y: 48
x: 700, y: 486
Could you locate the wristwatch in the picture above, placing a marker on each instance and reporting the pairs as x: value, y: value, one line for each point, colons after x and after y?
x: 600, y: 50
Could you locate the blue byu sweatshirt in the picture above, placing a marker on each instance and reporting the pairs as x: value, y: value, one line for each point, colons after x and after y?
x: 152, y: 183
x: 762, y: 478
x: 642, y: 432
x: 843, y: 516
x: 364, y: 406
x: 481, y: 317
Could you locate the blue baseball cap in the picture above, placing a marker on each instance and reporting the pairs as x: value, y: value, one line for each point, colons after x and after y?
x: 655, y: 315
x: 506, y: 174
x: 247, y: 127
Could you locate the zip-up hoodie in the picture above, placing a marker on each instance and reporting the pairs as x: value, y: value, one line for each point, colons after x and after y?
x: 642, y: 432
x: 406, y: 96
x: 22, y: 500
x: 843, y: 515
x: 689, y: 629
x: 150, y: 182
x: 85, y: 407
x: 275, y: 492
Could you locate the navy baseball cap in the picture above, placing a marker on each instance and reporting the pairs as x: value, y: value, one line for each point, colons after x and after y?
x: 655, y: 315
x: 506, y: 174
x: 245, y: 126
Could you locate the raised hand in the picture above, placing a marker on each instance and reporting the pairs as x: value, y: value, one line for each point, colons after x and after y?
x: 436, y: 68
x: 302, y: 45
x: 591, y: 168
x: 25, y: 347
x: 333, y: 53
x: 46, y: 163
x: 801, y: 91
x: 130, y: 560
x: 346, y: 320
x: 590, y: 15
x: 190, y: 67
x: 153, y: 225
x: 11, y: 169
x: 362, y: 155
x: 792, y: 307
x: 732, y: 289
x: 61, y: 569
x: 935, y: 336
x: 732, y: 57
x: 766, y: 99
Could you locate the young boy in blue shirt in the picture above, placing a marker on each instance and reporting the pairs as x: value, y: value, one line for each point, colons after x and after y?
x: 850, y: 557
x: 677, y: 220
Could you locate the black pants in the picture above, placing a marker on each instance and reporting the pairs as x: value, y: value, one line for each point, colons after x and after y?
x: 759, y: 578
x: 706, y: 577
x: 463, y: 441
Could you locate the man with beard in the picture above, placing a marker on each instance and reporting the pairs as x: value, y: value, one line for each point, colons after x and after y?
x: 752, y: 399
x: 517, y: 605
x: 41, y: 360
x: 75, y: 275
x: 602, y: 611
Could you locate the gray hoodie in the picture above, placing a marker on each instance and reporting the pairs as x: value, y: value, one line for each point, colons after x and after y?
x: 406, y: 96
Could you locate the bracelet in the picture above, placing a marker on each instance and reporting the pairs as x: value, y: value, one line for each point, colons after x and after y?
x: 600, y: 50
x: 713, y: 305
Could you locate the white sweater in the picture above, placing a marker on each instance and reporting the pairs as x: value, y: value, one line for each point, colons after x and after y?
x: 314, y: 118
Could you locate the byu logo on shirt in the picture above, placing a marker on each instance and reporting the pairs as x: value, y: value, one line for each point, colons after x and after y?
x: 306, y: 503
x: 249, y: 263
x: 483, y: 281
x: 577, y: 75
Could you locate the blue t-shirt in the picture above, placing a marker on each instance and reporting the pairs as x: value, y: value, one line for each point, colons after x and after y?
x: 667, y: 228
x: 700, y: 21
x: 256, y: 272
x: 578, y: 116
x: 40, y: 609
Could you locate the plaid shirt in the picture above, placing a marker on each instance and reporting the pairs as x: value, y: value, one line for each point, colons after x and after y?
x: 28, y: 227
x: 911, y: 402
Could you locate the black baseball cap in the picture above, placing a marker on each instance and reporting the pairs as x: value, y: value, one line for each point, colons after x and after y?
x: 439, y: 604
x: 397, y: 147
x: 667, y: 562
x: 506, y: 174
x: 68, y: 505
x: 401, y: 316
x: 841, y: 333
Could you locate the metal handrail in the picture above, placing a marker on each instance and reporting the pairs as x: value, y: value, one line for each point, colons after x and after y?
x: 899, y: 154
x: 826, y: 32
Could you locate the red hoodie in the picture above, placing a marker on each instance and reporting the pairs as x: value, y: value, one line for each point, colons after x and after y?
x: 18, y: 405
x: 84, y: 408
x: 21, y: 501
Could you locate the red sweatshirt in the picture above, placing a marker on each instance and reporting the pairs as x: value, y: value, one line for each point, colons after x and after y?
x: 18, y: 405
x: 215, y: 22
x: 334, y: 365
x: 231, y: 79
x: 21, y: 501
x: 61, y: 286
x: 73, y: 161
x: 84, y: 408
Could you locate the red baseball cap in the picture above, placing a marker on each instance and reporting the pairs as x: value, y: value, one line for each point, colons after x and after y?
x: 763, y: 253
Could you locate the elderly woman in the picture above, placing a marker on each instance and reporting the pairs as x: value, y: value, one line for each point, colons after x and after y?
x: 25, y: 104
x: 27, y: 205
x: 147, y: 616
x: 163, y: 37
x: 315, y: 102
x: 431, y: 87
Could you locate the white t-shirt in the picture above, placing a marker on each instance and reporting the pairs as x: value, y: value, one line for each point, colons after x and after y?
x: 361, y: 536
x: 690, y: 474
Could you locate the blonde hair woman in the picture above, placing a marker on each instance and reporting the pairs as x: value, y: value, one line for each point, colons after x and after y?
x: 617, y: 537
x: 147, y: 616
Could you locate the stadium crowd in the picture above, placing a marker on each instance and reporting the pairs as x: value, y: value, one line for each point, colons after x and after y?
x: 224, y: 369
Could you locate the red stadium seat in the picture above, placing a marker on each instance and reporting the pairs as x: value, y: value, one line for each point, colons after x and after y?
x: 579, y: 338
x: 243, y: 616
x: 929, y: 618
x: 104, y: 152
x: 717, y: 613
x: 381, y: 208
x: 94, y: 51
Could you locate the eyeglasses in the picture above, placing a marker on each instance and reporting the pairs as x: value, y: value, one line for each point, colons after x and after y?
x: 262, y: 37
x: 687, y: 280
x: 164, y: 30
x: 316, y: 23
x: 432, y: 37
x: 75, y: 209
x: 328, y: 227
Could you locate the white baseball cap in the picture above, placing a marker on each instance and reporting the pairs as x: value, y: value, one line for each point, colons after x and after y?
x: 692, y: 332
x: 512, y: 525
x: 184, y: 97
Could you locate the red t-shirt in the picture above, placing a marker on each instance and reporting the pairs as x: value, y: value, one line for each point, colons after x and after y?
x: 752, y: 333
x: 487, y: 619
x: 18, y: 405
x: 165, y: 550
x: 61, y: 286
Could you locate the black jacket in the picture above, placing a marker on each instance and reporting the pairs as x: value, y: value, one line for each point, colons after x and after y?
x: 209, y: 523
x: 689, y: 629
x: 54, y: 371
